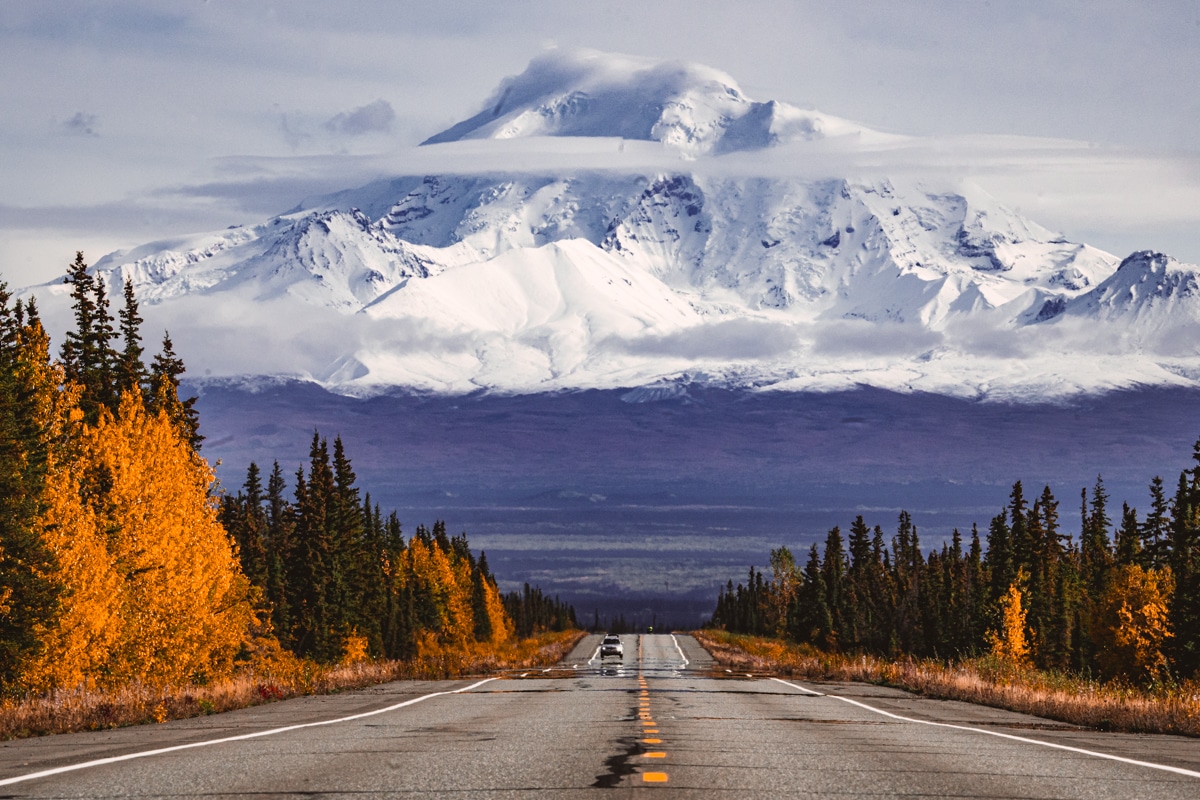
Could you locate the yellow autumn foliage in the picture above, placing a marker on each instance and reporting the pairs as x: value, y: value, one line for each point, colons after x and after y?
x: 502, y: 626
x: 1129, y: 623
x: 152, y: 588
x: 443, y: 586
x: 1009, y: 644
x: 436, y: 579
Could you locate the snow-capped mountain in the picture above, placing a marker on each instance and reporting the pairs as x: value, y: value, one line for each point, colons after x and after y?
x: 532, y: 280
x: 694, y: 109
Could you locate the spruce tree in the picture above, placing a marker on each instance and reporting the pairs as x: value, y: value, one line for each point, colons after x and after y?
x: 814, y: 622
x: 907, y: 568
x: 1094, y: 544
x: 1155, y: 527
x: 308, y: 569
x: 1000, y: 566
x: 131, y: 371
x: 87, y: 354
x: 278, y: 551
x: 164, y: 392
x: 29, y: 595
x: 1184, y: 554
x: 833, y: 574
x: 1129, y: 539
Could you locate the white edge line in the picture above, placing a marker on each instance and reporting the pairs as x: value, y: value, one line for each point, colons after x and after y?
x: 680, y: 649
x: 797, y: 688
x: 146, y: 753
x: 1068, y: 748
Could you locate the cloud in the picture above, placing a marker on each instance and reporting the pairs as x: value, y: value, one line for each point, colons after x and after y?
x: 376, y: 117
x: 731, y: 339
x: 226, y: 335
x: 82, y: 124
x: 862, y: 338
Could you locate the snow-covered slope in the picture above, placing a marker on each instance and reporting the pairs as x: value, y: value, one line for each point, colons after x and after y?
x: 548, y: 279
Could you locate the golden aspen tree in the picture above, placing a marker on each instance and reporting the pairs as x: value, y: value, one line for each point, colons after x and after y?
x: 444, y: 608
x: 175, y: 606
x: 1130, y: 626
x: 78, y: 645
x: 40, y: 415
x: 501, y: 625
x: 1009, y: 643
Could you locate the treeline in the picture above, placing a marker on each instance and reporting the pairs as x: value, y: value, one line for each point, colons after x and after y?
x: 532, y: 611
x: 337, y: 577
x: 120, y: 563
x: 1122, y: 599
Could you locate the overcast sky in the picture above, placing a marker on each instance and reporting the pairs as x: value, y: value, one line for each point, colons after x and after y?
x: 124, y: 122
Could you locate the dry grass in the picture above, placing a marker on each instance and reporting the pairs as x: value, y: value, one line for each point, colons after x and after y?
x: 1171, y: 708
x: 276, y: 676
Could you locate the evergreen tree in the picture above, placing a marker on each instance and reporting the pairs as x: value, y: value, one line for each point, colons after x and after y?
x: 833, y: 573
x: 1184, y: 556
x: 246, y: 521
x: 859, y: 619
x: 1129, y: 538
x: 164, y: 393
x: 87, y: 354
x: 1094, y: 544
x: 309, y: 563
x: 29, y: 593
x: 1156, y: 526
x: 1001, y: 569
x: 1021, y: 537
x: 975, y: 625
x: 278, y: 552
x: 908, y: 566
x: 814, y: 622
x: 131, y: 372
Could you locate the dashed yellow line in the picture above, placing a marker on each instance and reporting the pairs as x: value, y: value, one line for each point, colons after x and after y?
x: 649, y: 726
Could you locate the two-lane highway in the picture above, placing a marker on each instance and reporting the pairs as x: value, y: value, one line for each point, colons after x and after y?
x: 660, y: 719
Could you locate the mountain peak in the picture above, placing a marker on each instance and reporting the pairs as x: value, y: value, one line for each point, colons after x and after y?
x: 689, y: 107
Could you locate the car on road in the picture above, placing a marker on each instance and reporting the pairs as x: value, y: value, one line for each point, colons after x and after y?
x: 611, y: 646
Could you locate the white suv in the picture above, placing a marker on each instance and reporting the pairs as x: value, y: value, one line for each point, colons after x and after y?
x: 611, y: 646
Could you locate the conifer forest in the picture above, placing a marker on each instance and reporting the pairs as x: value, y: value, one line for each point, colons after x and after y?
x: 1119, y: 601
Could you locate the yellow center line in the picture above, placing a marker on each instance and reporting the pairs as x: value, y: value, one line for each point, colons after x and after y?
x: 654, y: 777
x: 654, y: 755
x: 651, y: 741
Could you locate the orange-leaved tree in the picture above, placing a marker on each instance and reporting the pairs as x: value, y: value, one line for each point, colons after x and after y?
x: 1009, y: 642
x: 152, y: 589
x: 1129, y: 623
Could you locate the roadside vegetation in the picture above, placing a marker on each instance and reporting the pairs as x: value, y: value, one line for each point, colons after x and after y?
x: 1101, y: 628
x: 986, y: 680
x: 271, y: 679
x: 133, y: 588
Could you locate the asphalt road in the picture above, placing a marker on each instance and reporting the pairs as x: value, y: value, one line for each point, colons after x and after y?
x: 660, y: 720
